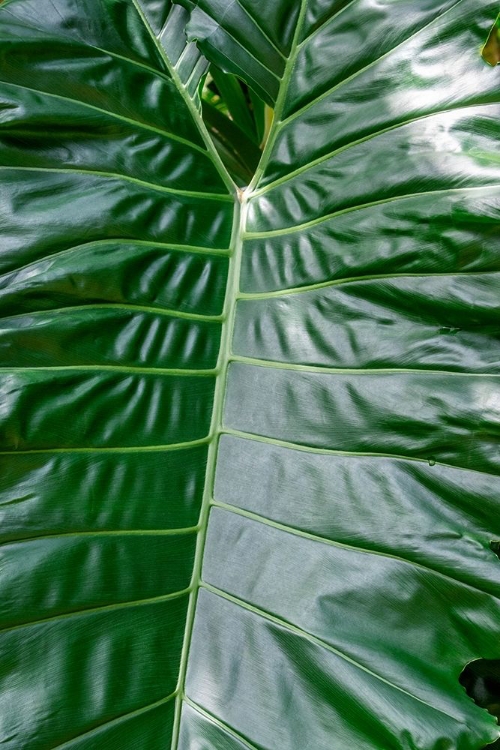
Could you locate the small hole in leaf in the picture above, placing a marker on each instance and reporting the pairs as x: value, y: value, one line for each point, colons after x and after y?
x: 495, y: 546
x: 481, y: 680
x: 491, y: 50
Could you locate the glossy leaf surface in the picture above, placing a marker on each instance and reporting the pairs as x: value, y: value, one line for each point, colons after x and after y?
x: 251, y: 452
x: 115, y: 234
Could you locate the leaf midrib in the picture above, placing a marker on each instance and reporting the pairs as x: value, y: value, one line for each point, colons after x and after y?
x: 229, y: 313
x: 215, y: 432
x: 222, y: 367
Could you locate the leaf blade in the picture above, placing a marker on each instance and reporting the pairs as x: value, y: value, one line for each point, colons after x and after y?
x: 106, y: 252
x: 294, y: 422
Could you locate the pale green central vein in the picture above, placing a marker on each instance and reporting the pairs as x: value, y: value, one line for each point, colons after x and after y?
x: 215, y: 430
x: 232, y: 289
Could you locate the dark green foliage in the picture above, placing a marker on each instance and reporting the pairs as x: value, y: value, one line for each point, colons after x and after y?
x: 249, y: 396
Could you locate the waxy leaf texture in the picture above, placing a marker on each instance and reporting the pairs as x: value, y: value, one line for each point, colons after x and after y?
x: 250, y: 439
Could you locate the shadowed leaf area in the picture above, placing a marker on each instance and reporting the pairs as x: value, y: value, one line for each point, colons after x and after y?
x: 491, y: 50
x: 481, y: 679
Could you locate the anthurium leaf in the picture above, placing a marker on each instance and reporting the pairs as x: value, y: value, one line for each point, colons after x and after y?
x: 250, y: 438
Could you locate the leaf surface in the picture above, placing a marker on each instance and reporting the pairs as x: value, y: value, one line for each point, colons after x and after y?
x: 251, y: 452
x: 116, y: 220
x: 348, y: 566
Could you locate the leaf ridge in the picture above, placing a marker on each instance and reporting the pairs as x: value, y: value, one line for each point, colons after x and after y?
x: 194, y: 249
x: 292, y: 366
x: 96, y: 610
x: 104, y: 532
x: 114, y: 115
x: 259, y: 27
x: 280, y: 102
x: 326, y: 22
x: 116, y: 55
x: 150, y: 185
x: 352, y: 144
x: 250, y: 54
x: 334, y: 452
x: 214, y: 720
x: 179, y: 372
x: 323, y: 644
x: 363, y: 206
x: 354, y: 280
x: 124, y: 306
x: 116, y: 449
x: 342, y: 545
x: 116, y: 721
x: 354, y: 75
x: 224, y: 174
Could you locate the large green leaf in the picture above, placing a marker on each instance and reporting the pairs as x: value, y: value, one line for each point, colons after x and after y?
x: 250, y: 460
